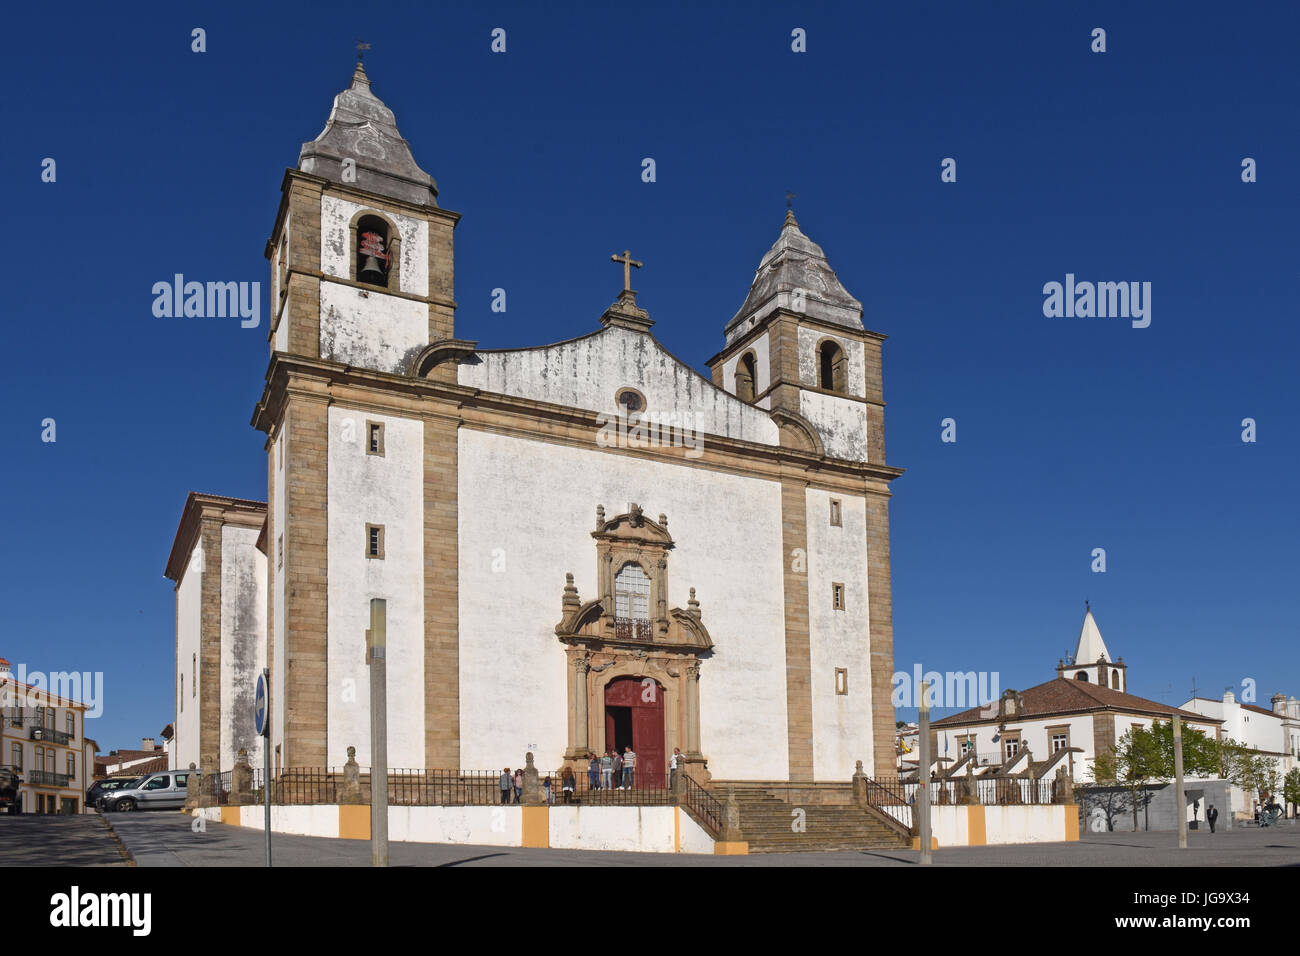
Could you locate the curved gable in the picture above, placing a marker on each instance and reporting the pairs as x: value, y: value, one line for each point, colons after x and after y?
x: 588, y: 372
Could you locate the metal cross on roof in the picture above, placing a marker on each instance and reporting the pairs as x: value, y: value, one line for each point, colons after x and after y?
x: 628, y: 264
x: 789, y: 199
x: 361, y: 49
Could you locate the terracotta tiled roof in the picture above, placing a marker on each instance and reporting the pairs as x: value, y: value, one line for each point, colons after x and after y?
x: 1260, y: 710
x: 1067, y: 696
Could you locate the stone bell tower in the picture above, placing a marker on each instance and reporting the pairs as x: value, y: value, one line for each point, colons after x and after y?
x: 362, y: 283
x: 798, y: 347
x: 361, y: 254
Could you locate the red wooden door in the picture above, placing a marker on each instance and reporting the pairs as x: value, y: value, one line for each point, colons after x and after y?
x: 644, y: 698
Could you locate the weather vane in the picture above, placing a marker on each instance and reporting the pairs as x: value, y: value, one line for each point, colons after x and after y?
x: 361, y: 49
x: 789, y: 199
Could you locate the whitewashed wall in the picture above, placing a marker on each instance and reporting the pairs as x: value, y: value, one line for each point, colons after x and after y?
x: 841, y: 423
x: 369, y: 329
x: 243, y: 640
x: 841, y: 722
x: 530, y: 507
x: 188, y: 607
x: 388, y: 490
x: 335, y: 238
x: 588, y: 372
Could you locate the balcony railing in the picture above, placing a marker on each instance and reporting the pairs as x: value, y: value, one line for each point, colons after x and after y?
x: 51, y: 735
x: 44, y: 778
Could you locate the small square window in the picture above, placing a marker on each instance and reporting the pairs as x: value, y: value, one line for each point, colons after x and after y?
x: 374, y: 541
x: 841, y: 680
x: 375, y: 438
x: 837, y: 596
x: 836, y: 520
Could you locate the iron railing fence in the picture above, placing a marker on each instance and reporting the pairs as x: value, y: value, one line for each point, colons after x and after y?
x: 989, y: 791
x: 417, y: 787
x: 706, y: 807
x: 639, y: 788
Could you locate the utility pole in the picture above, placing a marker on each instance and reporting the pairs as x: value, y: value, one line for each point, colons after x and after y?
x: 377, y: 643
x: 923, y: 791
x: 1179, y: 798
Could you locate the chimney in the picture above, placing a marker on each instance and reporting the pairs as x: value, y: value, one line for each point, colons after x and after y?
x: 1279, y: 704
x: 1229, y: 697
x: 146, y: 743
x: 4, y: 667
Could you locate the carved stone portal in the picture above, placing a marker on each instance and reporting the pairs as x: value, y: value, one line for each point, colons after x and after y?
x: 628, y: 630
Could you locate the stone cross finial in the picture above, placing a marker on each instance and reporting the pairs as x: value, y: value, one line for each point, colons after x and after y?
x: 628, y: 264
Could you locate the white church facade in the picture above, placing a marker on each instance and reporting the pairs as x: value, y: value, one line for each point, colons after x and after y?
x: 582, y: 545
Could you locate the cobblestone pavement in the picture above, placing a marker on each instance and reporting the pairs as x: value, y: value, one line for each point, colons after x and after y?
x: 165, y: 838
x: 57, y: 840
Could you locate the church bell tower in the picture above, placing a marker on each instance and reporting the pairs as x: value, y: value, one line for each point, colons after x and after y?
x: 361, y: 253
x: 798, y: 347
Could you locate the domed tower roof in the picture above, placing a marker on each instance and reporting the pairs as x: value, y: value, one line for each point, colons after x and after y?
x: 793, y: 263
x: 361, y: 128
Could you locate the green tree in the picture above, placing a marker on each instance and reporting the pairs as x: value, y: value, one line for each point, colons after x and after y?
x: 1133, y: 762
x: 1291, y: 787
x: 1249, y: 769
x: 1201, y: 756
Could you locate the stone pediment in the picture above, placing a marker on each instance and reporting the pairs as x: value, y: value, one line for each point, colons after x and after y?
x: 583, y: 623
x: 633, y: 526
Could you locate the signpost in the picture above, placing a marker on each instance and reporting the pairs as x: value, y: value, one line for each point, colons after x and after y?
x: 923, y: 789
x: 1180, y: 799
x: 377, y: 644
x: 262, y: 723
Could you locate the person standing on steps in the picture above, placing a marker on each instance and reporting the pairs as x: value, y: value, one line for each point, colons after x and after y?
x: 1212, y: 817
x: 629, y: 768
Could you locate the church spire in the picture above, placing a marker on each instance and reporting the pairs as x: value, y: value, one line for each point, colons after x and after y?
x: 1090, y: 647
x: 360, y: 145
x: 795, y: 276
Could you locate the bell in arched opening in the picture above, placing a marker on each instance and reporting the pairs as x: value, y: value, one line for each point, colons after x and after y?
x: 372, y: 255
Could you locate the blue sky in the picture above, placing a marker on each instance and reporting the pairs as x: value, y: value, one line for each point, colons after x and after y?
x: 1072, y: 433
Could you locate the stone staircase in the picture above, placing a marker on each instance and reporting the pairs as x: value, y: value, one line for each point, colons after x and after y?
x: 767, y: 824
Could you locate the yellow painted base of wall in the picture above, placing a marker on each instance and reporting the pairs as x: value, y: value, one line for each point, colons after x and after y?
x: 916, y: 843
x: 230, y: 816
x: 733, y: 848
x: 1071, y: 821
x: 976, y: 834
x: 536, y: 827
x: 354, y: 822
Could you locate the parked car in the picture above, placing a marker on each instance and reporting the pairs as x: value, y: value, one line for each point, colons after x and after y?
x: 102, y: 788
x: 10, y: 798
x: 156, y: 791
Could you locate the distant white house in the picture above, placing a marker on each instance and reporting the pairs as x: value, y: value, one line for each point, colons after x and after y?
x: 1275, y: 733
x: 1064, y: 722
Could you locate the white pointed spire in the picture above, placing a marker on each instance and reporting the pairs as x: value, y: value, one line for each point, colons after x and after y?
x: 1090, y: 646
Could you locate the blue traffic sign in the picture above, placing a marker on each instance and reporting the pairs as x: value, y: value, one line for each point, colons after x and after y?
x: 260, y: 716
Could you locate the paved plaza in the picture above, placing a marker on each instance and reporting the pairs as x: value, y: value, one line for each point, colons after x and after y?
x: 168, y: 839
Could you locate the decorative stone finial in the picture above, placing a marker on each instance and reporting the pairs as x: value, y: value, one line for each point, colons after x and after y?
x: 352, y: 753
x: 570, y: 599
x: 693, y: 606
x: 600, y: 517
x: 663, y: 521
